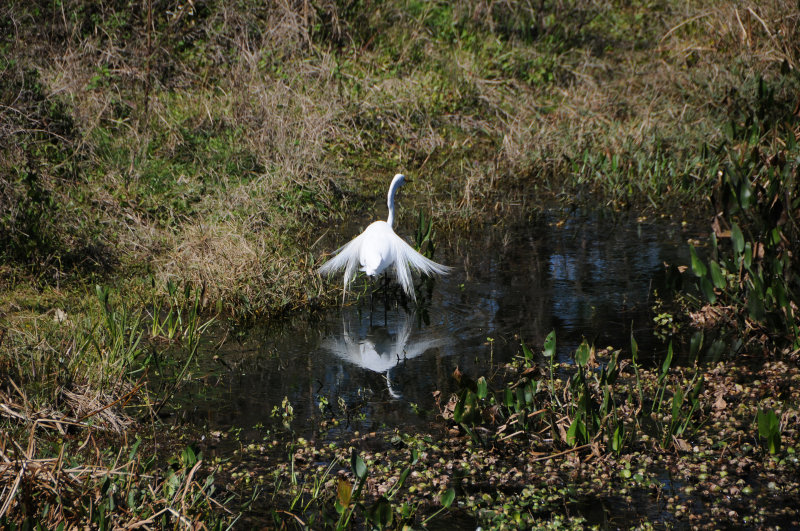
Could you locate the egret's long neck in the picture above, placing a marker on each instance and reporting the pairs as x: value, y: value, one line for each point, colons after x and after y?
x: 390, y: 201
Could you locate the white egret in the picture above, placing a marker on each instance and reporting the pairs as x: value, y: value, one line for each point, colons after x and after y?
x: 379, y: 248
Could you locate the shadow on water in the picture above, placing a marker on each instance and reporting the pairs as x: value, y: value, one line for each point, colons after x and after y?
x: 583, y: 276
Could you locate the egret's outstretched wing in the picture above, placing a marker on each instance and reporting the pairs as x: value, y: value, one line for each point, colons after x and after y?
x: 406, y: 259
x: 347, y: 258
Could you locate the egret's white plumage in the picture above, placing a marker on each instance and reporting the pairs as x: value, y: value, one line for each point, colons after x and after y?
x: 379, y: 248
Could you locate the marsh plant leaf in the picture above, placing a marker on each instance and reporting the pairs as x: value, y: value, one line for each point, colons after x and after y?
x: 582, y: 354
x: 618, y: 438
x: 755, y: 305
x: 610, y: 371
x: 344, y: 492
x: 527, y: 352
x: 380, y: 513
x: 698, y: 267
x: 482, y: 387
x: 745, y: 194
x: 769, y: 430
x: 550, y: 345
x: 634, y: 347
x: 508, y: 397
x: 717, y: 276
x: 467, y: 407
x: 530, y: 390
x: 667, y: 363
x: 358, y: 466
x: 576, y: 431
x: 447, y: 497
x: 708, y: 290
x: 737, y: 238
x: 677, y: 402
x: 748, y: 256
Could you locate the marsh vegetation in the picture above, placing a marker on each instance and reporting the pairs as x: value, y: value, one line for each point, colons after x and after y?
x: 170, y: 173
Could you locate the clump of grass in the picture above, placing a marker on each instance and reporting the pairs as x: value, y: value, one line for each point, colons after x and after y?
x: 118, y: 490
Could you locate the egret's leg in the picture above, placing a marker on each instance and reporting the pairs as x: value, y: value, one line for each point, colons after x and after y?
x: 371, y: 304
x: 385, y: 295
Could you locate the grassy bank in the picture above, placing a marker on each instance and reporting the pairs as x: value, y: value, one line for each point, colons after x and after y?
x: 192, y: 156
x: 208, y: 142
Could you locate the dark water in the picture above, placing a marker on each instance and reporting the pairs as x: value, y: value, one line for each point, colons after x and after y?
x: 580, y: 275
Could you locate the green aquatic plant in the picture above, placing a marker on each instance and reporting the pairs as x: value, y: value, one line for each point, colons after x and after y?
x: 753, y: 273
x: 769, y: 430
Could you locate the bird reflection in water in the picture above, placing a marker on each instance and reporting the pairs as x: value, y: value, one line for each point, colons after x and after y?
x: 382, y: 348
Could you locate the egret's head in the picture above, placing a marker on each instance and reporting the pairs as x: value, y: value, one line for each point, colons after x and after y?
x: 399, y: 180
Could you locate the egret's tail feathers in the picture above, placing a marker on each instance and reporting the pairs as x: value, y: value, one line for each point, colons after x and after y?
x: 394, y: 250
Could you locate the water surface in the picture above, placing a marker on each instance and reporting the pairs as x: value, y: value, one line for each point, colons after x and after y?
x: 582, y: 275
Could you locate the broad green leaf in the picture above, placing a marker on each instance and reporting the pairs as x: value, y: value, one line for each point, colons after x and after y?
x: 698, y: 387
x: 745, y: 194
x: 529, y: 392
x: 403, y: 477
x: 458, y: 412
x: 358, y: 466
x: 611, y: 370
x: 698, y: 267
x: 582, y: 354
x: 748, y: 256
x: 737, y: 238
x: 708, y: 290
x: 764, y: 422
x: 574, y: 430
x: 447, y: 497
x: 508, y: 397
x: 380, y: 513
x: 717, y: 276
x: 617, y: 438
x: 775, y: 236
x: 677, y: 402
x: 527, y: 352
x: 482, y: 387
x: 550, y: 345
x: 728, y: 129
x: 769, y: 429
